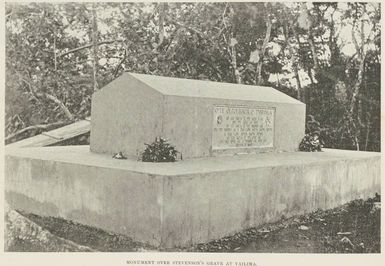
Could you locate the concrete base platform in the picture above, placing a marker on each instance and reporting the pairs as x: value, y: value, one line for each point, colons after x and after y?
x: 193, y: 201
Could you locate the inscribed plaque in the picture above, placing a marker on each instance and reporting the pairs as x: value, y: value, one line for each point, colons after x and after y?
x: 242, y: 127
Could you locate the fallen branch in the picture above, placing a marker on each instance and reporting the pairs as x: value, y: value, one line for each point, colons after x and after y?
x: 87, y: 46
x: 61, y: 105
x: 48, y: 96
x: 9, y: 14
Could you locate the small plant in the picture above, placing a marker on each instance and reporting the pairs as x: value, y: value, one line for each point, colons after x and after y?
x: 310, y: 143
x: 159, y: 151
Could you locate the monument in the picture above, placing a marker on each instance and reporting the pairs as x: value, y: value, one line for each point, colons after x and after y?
x: 240, y: 166
x: 201, y: 118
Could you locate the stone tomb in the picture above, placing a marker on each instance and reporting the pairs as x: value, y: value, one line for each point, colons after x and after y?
x: 201, y: 118
x: 240, y: 168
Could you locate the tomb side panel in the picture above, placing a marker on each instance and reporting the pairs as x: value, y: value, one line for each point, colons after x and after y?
x: 289, y: 126
x: 189, y: 124
x: 125, y: 115
x: 202, y: 207
x: 112, y: 199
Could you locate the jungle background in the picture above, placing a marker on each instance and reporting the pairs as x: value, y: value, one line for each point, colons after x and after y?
x: 327, y: 55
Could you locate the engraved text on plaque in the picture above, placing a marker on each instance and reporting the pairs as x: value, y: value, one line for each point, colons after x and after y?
x: 242, y: 127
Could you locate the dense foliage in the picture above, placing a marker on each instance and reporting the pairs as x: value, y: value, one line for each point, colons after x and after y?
x: 310, y: 143
x: 159, y: 151
x: 325, y: 54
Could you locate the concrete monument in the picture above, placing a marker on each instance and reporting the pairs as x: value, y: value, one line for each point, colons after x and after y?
x: 201, y: 118
x: 240, y: 168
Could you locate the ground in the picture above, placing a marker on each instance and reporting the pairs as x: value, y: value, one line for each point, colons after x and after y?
x: 351, y: 228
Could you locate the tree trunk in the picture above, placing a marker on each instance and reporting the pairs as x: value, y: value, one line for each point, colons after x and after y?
x: 299, y: 87
x: 269, y: 25
x: 94, y: 47
x: 161, y: 22
x: 361, y: 68
x: 308, y: 90
x: 368, y: 126
x: 61, y: 105
x: 302, y: 92
x: 53, y: 98
x: 358, y: 83
x: 353, y: 103
x: 54, y: 50
x: 86, y: 47
x: 233, y: 50
x: 313, y: 50
x: 237, y: 75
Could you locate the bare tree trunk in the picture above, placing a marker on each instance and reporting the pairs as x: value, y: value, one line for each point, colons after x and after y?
x: 116, y: 71
x: 358, y: 83
x: 237, y: 75
x: 53, y: 98
x: 61, y: 106
x: 233, y: 50
x: 301, y: 91
x: 269, y: 25
x: 310, y: 75
x: 95, y: 47
x: 54, y: 50
x: 308, y: 90
x: 353, y: 103
x: 87, y: 46
x: 361, y: 68
x: 331, y: 33
x: 296, y: 74
x: 161, y: 22
x: 368, y: 126
x: 313, y: 50
x: 299, y: 87
x: 357, y: 143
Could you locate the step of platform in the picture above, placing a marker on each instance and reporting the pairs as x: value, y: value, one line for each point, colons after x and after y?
x: 186, y: 202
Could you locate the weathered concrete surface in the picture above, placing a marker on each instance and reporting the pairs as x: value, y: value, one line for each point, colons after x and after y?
x: 174, y: 204
x: 119, y: 123
x: 134, y: 109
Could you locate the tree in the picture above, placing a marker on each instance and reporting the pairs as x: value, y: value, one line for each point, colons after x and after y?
x: 59, y: 54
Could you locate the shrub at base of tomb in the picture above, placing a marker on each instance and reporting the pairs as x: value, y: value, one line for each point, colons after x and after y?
x: 310, y: 143
x: 159, y: 151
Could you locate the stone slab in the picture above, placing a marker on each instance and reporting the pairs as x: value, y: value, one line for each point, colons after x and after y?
x: 193, y: 201
x: 55, y: 136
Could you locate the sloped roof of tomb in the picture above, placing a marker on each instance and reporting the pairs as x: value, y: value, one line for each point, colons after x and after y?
x: 210, y: 89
